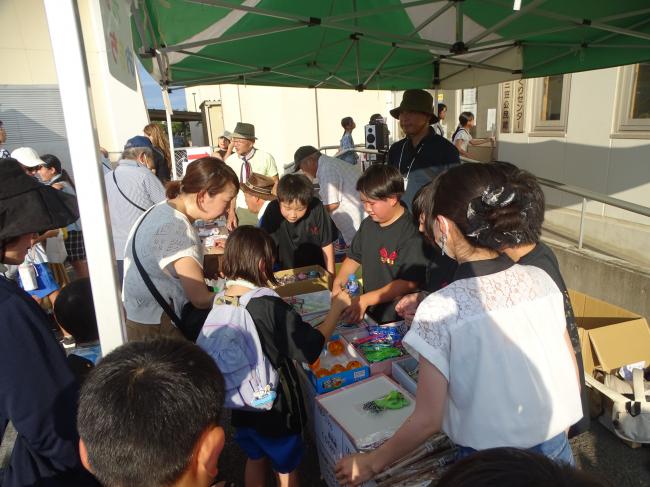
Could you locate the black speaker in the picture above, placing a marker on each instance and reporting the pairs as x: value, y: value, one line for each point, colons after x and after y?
x: 371, y: 139
x: 377, y: 136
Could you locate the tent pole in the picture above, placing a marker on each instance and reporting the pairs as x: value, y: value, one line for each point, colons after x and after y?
x: 170, y: 131
x: 317, y: 121
x: 74, y: 86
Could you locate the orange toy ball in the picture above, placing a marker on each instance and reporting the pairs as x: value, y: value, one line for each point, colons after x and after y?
x: 337, y: 369
x: 353, y: 364
x: 335, y: 348
x: 322, y: 373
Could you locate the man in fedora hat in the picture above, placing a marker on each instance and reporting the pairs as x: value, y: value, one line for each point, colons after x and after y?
x: 247, y: 159
x: 39, y: 392
x: 422, y: 154
x: 258, y: 193
x: 337, y: 181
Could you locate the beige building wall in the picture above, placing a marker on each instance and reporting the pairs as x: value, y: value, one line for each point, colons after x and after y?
x: 26, y: 59
x: 589, y: 157
x: 286, y: 118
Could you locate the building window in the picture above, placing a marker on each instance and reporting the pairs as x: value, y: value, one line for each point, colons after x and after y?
x: 632, y: 118
x: 551, y: 105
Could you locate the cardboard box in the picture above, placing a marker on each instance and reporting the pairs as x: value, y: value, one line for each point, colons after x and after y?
x: 401, y: 369
x: 306, y: 285
x: 610, y: 337
x: 341, y: 412
x: 332, y: 440
x: 332, y: 382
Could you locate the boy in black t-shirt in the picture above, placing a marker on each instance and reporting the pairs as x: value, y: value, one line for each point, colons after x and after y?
x: 300, y: 226
x: 388, y: 246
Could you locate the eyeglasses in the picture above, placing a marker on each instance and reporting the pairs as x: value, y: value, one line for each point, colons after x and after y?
x: 34, y: 168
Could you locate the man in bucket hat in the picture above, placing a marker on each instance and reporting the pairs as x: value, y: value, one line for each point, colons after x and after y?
x: 247, y: 159
x: 258, y: 193
x: 38, y: 390
x: 422, y: 154
x: 337, y: 182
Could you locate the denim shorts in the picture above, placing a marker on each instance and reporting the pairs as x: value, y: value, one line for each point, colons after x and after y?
x: 556, y: 448
x: 285, y: 452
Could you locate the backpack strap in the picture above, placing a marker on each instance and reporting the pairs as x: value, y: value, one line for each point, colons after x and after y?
x: 600, y: 387
x: 256, y: 293
x: 147, y: 280
x: 638, y: 386
x: 125, y: 196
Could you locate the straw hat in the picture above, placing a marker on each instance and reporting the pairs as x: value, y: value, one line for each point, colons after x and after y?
x: 260, y: 186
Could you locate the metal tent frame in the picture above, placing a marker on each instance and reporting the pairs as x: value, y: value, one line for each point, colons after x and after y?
x: 449, y: 62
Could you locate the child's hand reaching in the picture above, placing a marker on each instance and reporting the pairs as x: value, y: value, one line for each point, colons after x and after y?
x: 407, y: 306
x: 356, y: 311
x: 337, y: 287
x: 341, y: 301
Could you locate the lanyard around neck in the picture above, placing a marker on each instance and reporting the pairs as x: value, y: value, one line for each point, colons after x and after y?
x: 412, y: 160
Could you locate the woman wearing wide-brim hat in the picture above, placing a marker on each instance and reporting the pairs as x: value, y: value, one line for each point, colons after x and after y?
x: 38, y: 390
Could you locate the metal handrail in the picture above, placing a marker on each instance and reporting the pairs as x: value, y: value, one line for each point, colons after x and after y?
x: 586, y: 195
x: 592, y: 195
x: 323, y: 148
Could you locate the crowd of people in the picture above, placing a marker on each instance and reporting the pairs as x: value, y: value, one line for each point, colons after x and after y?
x: 453, y: 249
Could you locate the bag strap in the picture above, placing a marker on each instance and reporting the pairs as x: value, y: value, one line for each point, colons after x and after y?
x: 603, y: 389
x: 147, y: 280
x: 257, y: 292
x: 638, y: 386
x: 125, y: 196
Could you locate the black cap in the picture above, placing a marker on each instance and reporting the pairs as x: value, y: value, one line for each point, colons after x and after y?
x: 302, y: 153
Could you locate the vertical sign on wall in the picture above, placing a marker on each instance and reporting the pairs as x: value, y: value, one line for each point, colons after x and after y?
x: 506, y: 107
x: 116, y: 20
x: 518, y: 115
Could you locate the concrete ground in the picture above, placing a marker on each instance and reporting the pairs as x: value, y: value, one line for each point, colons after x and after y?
x: 597, y: 451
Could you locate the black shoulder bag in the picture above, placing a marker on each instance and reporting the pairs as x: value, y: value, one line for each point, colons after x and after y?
x: 192, y: 318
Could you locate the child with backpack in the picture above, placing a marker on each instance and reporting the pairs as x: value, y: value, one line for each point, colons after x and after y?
x: 254, y: 337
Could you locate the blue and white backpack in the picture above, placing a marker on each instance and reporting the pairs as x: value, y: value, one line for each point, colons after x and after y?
x: 230, y: 337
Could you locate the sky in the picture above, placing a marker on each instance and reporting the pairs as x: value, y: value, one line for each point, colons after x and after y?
x: 152, y: 95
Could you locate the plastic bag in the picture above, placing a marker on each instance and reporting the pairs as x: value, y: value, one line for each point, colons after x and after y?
x: 55, y: 249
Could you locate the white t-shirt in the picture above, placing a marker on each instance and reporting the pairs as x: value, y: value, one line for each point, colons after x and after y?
x: 337, y: 182
x: 464, y: 136
x: 165, y: 236
x: 261, y: 163
x: 499, y: 341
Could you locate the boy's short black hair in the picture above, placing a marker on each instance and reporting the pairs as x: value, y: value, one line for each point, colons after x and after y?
x: 143, y: 409
x: 295, y: 187
x: 346, y: 122
x: 381, y: 181
x: 74, y: 310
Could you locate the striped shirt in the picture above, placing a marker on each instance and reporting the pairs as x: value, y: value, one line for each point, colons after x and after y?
x: 141, y: 186
x: 338, y: 184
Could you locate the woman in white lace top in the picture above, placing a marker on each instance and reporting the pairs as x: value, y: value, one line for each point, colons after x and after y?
x: 496, y: 364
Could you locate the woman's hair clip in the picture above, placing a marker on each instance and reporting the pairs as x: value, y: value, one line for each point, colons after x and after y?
x: 495, y: 197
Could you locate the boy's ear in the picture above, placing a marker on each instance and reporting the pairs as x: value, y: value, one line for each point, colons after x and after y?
x: 83, y: 454
x: 393, y: 200
x: 208, y: 449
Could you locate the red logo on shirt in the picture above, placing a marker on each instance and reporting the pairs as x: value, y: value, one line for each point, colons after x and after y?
x: 313, y: 230
x: 385, y: 258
